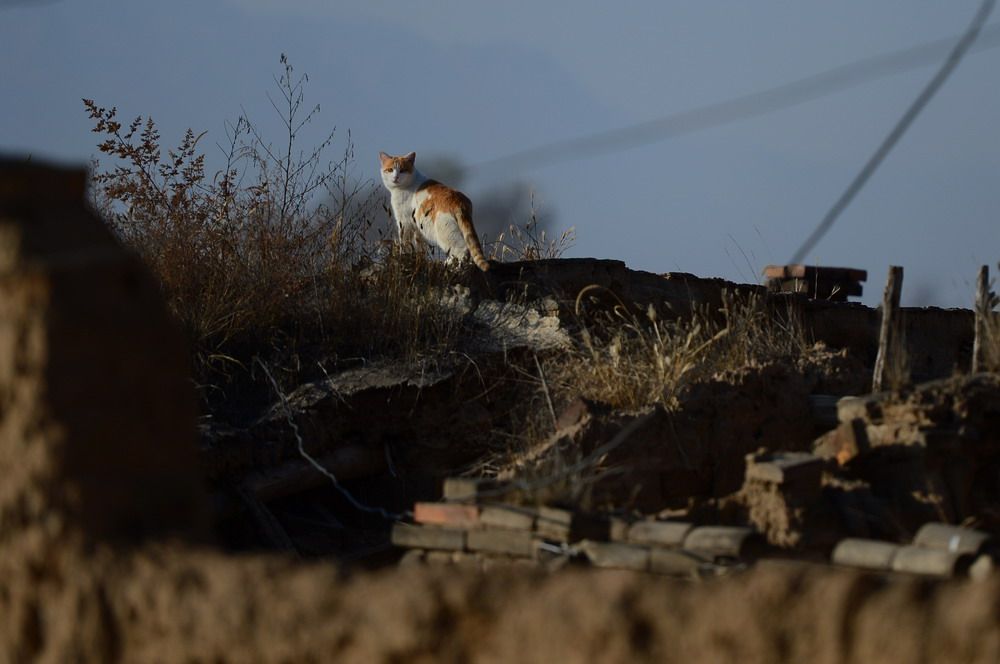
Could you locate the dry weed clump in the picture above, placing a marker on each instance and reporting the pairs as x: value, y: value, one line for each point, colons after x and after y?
x: 279, y: 249
x: 631, y: 360
x: 989, y: 350
x: 527, y: 242
x: 991, y: 347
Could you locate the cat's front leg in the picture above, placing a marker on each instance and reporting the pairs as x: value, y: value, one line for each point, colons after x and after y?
x: 409, y: 238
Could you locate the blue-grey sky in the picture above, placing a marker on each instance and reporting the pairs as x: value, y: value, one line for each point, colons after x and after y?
x: 474, y: 81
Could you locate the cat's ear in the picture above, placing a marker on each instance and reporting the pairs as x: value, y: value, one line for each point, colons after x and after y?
x: 383, y: 157
x: 410, y: 157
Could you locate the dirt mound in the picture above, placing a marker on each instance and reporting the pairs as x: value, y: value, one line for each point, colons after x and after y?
x: 662, y: 459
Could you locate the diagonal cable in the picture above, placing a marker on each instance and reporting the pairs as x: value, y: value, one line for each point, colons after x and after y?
x: 730, y: 111
x: 949, y: 65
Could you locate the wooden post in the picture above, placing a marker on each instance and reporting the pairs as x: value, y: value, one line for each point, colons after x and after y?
x: 888, y: 333
x: 983, y: 309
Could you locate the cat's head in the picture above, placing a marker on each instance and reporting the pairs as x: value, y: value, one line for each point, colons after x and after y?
x: 397, y: 172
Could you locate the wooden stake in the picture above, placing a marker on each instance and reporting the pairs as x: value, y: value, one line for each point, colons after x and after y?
x: 983, y: 309
x: 887, y: 338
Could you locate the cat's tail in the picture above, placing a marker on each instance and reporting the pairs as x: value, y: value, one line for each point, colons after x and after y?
x: 471, y: 238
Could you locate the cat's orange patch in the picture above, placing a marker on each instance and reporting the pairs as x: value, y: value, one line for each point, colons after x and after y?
x: 441, y: 198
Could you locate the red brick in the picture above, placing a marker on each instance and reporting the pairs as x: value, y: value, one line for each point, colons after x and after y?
x: 446, y: 514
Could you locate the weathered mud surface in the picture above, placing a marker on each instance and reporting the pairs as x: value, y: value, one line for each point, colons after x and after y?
x: 107, y: 554
x: 172, y: 604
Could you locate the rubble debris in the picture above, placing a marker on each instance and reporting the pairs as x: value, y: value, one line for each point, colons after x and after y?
x: 929, y: 453
x: 779, y: 490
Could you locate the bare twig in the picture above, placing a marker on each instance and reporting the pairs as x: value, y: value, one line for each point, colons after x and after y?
x: 548, y: 396
x: 357, y: 504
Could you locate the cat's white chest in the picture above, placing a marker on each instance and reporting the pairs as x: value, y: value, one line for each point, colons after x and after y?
x: 402, y: 206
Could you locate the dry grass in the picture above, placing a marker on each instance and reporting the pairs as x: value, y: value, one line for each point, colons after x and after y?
x: 278, y: 252
x: 527, y: 242
x: 631, y: 360
x: 991, y: 345
x: 989, y: 351
x: 635, y: 360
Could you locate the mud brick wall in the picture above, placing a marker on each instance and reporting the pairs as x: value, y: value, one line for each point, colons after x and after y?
x: 97, y: 411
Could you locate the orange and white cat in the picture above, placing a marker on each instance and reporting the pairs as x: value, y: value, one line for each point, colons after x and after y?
x: 427, y: 211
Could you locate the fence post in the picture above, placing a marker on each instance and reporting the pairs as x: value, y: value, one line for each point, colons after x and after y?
x: 983, y: 308
x: 889, y: 331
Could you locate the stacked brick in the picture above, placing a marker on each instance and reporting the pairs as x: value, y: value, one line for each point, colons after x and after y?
x: 938, y: 550
x: 469, y: 527
x: 819, y: 283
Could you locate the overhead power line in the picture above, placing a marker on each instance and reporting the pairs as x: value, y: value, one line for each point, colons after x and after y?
x: 949, y: 65
x: 748, y: 106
